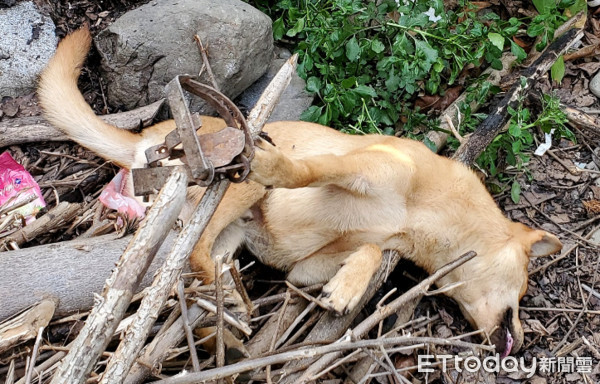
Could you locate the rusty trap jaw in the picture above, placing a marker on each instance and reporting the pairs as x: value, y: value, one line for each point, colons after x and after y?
x: 226, y: 153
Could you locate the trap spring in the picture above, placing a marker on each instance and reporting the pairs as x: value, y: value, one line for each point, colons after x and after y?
x: 227, y: 152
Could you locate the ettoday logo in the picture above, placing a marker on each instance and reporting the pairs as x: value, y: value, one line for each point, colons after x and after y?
x: 495, y: 363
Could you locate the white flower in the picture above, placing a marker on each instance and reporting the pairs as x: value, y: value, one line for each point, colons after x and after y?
x: 432, y: 16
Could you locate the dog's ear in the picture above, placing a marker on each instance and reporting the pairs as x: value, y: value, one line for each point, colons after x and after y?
x: 536, y: 243
x: 545, y: 244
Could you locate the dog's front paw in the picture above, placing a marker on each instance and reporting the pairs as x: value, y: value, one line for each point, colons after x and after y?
x: 342, y: 295
x: 270, y: 167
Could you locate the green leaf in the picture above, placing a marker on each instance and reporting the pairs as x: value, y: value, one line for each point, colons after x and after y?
x: 576, y: 7
x: 497, y: 40
x: 365, y: 90
x: 425, y: 51
x: 352, y: 49
x: 311, y: 114
x: 514, y: 129
x: 496, y: 64
x: 349, y: 82
x: 517, y: 51
x: 349, y: 101
x: 313, y: 84
x: 377, y: 46
x: 535, y: 30
x: 278, y: 29
x: 558, y: 70
x: 325, y: 118
x: 389, y: 131
x: 298, y: 27
x: 393, y: 82
x: 430, y: 144
x: 515, y: 192
x: 544, y: 7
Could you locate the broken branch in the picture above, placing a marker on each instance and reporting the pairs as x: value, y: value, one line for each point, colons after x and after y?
x: 471, y: 148
x: 34, y: 129
x: 385, y: 311
x: 120, y: 287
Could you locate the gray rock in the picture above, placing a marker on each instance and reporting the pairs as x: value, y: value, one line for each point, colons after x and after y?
x: 294, y: 100
x: 145, y: 48
x: 26, y: 44
x: 595, y: 85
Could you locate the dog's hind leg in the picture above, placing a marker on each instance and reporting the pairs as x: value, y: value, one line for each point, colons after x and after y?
x: 359, y: 172
x: 347, y: 285
x: 221, y: 235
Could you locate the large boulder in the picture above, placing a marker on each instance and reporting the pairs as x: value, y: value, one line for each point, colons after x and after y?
x: 27, y: 43
x: 145, y: 48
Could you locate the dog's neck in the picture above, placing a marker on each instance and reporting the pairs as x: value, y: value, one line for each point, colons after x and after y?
x: 446, y: 225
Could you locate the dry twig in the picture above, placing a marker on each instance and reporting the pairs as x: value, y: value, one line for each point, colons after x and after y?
x: 106, y: 315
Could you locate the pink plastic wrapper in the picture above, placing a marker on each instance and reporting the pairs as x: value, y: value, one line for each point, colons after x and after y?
x: 16, y: 186
x: 114, y: 197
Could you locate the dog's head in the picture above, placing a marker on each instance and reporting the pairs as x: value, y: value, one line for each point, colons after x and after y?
x: 495, y: 281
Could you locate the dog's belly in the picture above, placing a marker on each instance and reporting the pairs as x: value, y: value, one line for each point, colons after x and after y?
x: 290, y: 225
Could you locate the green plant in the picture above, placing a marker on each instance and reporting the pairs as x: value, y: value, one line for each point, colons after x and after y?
x: 368, y: 61
x: 514, y: 145
x: 552, y: 14
x: 550, y: 17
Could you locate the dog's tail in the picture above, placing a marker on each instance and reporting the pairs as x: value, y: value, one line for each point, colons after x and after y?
x: 65, y: 108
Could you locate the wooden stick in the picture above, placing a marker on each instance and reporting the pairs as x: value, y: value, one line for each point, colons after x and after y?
x: 259, y: 344
x: 472, y: 147
x: 158, y: 349
x: 25, y: 326
x: 451, y: 114
x: 581, y: 119
x: 219, y: 296
x: 34, y: 129
x: 120, y: 287
x: 154, y: 300
x: 189, y: 335
x: 46, y: 367
x: 366, y: 325
x: 34, y: 354
x: 10, y: 375
x: 263, y: 108
x: 58, y: 216
x: 205, y: 62
x: 208, y: 204
x: 71, y: 271
x: 239, y: 285
x: 342, y: 345
x: 331, y: 327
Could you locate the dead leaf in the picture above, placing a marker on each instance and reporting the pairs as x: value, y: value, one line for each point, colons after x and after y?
x: 426, y: 102
x: 402, y: 362
x: 520, y: 42
x: 561, y: 218
x: 537, y: 380
x: 446, y: 318
x: 592, y: 207
x: 586, y: 51
x: 589, y: 68
x: 438, y: 103
x: 535, y: 326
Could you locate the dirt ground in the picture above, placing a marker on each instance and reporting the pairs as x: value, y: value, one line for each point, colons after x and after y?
x: 561, y: 194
